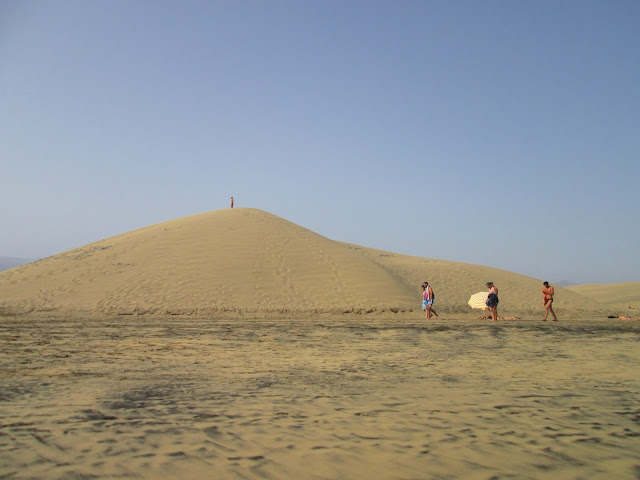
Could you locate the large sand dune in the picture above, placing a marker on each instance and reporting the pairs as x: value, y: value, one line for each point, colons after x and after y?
x: 248, y: 262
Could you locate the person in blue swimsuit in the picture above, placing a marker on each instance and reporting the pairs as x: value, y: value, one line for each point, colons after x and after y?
x: 427, y: 300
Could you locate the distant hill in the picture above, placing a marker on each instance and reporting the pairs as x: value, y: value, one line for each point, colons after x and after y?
x: 564, y: 283
x: 620, y: 294
x: 247, y: 262
x: 11, y: 262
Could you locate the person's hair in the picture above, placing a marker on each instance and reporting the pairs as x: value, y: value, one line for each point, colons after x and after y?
x: 545, y: 283
x: 489, y: 283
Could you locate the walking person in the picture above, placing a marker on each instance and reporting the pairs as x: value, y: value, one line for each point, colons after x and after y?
x: 492, y: 301
x: 547, y: 301
x: 427, y: 300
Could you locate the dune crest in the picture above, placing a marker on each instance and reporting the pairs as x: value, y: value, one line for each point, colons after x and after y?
x: 250, y: 262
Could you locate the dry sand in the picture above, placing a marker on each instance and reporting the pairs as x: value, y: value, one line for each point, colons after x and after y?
x: 616, y: 295
x: 248, y: 263
x: 150, y: 355
x: 328, y: 399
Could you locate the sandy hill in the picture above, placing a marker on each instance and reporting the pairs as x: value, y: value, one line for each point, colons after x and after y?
x: 623, y: 294
x: 248, y: 262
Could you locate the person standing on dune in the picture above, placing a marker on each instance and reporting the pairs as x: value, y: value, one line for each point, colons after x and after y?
x: 547, y: 301
x: 231, y: 202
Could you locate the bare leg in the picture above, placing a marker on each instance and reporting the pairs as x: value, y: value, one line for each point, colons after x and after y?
x: 494, y: 313
x: 434, y: 312
x: 428, y: 312
x: 549, y: 308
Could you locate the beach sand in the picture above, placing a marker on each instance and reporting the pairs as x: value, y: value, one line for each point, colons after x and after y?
x: 237, y: 345
x: 135, y: 397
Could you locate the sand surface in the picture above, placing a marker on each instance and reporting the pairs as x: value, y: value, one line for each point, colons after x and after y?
x: 249, y: 263
x: 613, y: 294
x: 328, y: 399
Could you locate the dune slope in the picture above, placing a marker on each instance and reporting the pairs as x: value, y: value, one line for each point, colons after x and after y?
x: 624, y: 294
x: 453, y: 283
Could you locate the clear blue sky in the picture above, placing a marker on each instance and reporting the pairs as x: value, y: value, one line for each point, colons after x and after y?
x: 503, y: 133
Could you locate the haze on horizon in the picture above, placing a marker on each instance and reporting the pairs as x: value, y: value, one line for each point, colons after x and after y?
x: 496, y: 133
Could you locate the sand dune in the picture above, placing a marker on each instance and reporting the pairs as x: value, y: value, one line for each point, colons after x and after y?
x: 615, y: 294
x: 249, y: 262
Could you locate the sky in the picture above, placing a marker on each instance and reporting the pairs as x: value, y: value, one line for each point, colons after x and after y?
x: 498, y: 133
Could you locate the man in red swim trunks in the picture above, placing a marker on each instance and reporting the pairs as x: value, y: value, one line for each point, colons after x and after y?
x: 547, y: 301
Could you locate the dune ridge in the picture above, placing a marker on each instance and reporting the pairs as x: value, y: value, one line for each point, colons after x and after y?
x: 248, y: 262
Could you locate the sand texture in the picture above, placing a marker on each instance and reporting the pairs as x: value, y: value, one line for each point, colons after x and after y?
x: 286, y: 399
x: 247, y: 262
x: 613, y: 294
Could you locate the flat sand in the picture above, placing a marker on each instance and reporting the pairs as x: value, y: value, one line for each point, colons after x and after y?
x: 153, y: 398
